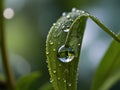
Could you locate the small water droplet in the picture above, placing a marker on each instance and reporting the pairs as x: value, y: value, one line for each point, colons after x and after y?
x: 54, y: 24
x: 51, y: 43
x: 71, y: 20
x: 69, y: 84
x: 63, y: 27
x: 73, y: 9
x: 58, y: 42
x: 64, y: 14
x: 47, y: 53
x: 58, y: 78
x: 56, y: 27
x: 55, y: 36
x: 54, y: 71
x: 51, y: 80
x: 59, y: 23
x: 82, y: 11
x: 79, y: 44
x: 68, y: 16
x: 59, y: 65
x: 77, y: 11
x: 64, y: 81
x: 65, y: 54
x: 46, y: 61
x: 54, y: 49
x: 66, y: 30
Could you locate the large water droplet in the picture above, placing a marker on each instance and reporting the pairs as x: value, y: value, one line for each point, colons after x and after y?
x: 65, y: 54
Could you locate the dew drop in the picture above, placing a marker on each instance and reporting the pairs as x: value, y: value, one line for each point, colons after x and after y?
x: 68, y: 16
x: 54, y: 24
x: 73, y: 9
x: 79, y: 44
x: 63, y: 27
x: 54, y: 71
x: 66, y: 30
x: 77, y: 11
x: 51, y: 80
x: 64, y: 81
x: 47, y: 53
x: 55, y: 36
x: 69, y: 84
x: 65, y: 54
x: 51, y: 43
x: 46, y: 61
x: 58, y: 78
x: 58, y: 42
x: 83, y: 11
x: 54, y: 49
x: 59, y: 65
x: 64, y: 14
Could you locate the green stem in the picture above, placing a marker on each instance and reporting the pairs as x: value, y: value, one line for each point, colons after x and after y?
x: 105, y: 28
x: 8, y: 72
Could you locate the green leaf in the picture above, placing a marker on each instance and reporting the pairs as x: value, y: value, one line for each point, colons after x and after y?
x: 109, y: 64
x: 46, y: 86
x: 29, y: 82
x: 114, y: 78
x: 64, y: 72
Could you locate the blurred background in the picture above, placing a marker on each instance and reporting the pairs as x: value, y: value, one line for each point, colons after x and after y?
x: 27, y: 25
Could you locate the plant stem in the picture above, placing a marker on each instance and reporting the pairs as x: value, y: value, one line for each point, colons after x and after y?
x: 8, y: 72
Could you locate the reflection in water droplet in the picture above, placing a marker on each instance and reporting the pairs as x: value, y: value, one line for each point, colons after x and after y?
x: 65, y: 54
x: 66, y: 30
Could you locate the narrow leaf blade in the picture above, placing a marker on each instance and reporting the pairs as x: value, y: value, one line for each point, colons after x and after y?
x: 109, y: 64
x: 29, y: 82
x: 64, y: 75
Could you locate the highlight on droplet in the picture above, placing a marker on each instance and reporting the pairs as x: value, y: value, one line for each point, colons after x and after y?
x: 8, y: 13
